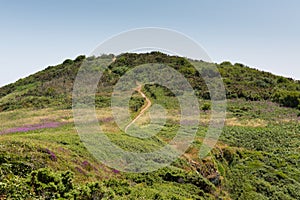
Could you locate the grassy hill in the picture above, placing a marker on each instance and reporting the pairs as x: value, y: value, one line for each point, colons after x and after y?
x: 257, y: 156
x: 53, y: 86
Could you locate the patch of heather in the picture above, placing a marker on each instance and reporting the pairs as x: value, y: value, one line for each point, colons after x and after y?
x: 32, y: 127
x: 81, y: 171
x: 95, y: 168
x: 51, y: 154
x: 86, y: 165
x: 116, y: 171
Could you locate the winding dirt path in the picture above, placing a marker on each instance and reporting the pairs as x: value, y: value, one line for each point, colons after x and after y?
x: 148, y: 105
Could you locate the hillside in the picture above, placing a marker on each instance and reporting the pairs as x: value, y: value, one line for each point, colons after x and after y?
x: 256, y: 157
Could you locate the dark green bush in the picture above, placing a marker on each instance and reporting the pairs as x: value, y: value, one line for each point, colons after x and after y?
x: 68, y: 62
x: 206, y: 106
x: 46, y: 184
x: 287, y: 98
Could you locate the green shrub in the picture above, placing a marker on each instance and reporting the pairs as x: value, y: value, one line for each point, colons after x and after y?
x: 206, y: 107
x: 287, y: 98
x: 68, y: 62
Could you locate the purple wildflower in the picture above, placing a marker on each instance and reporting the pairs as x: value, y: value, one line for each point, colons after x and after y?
x: 85, y: 163
x: 81, y: 171
x: 32, y: 127
x: 87, y: 166
x: 52, y: 155
x: 116, y: 171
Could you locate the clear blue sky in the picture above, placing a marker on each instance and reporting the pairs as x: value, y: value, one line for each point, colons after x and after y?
x: 264, y: 34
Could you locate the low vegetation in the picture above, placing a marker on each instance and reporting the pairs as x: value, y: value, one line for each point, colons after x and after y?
x: 256, y: 157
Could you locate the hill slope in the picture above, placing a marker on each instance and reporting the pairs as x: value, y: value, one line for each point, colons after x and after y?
x: 256, y: 157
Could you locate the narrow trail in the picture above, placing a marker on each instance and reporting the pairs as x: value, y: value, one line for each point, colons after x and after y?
x: 148, y: 105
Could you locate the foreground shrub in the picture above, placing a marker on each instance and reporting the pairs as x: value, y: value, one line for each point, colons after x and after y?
x: 46, y: 184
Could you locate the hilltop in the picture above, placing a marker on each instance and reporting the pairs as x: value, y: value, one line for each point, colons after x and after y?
x: 53, y: 86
